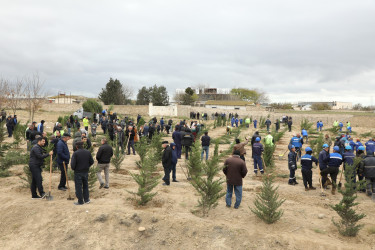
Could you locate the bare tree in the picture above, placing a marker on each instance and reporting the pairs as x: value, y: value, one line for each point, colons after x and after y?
x: 15, y: 95
x: 34, y: 94
x: 3, y: 92
x: 128, y: 93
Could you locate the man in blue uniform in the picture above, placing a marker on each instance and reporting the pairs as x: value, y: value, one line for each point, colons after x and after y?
x: 306, y: 161
x: 292, y: 165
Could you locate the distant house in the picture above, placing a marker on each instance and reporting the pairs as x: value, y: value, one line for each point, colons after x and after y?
x: 231, y: 105
x: 333, y: 105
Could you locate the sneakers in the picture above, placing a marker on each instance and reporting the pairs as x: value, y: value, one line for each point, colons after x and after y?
x: 78, y: 204
x: 62, y: 188
x: 106, y: 187
x: 175, y: 181
x: 312, y: 188
x: 101, y: 185
x: 87, y: 202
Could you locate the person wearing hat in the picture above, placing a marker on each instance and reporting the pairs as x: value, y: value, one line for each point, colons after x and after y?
x: 334, y: 162
x: 348, y: 159
x: 81, y: 162
x: 323, y: 155
x: 235, y: 170
x: 167, y: 162
x: 370, y: 147
x: 358, y: 144
x: 257, y: 155
x: 292, y: 165
x: 240, y: 146
x: 307, y: 161
x: 63, y: 155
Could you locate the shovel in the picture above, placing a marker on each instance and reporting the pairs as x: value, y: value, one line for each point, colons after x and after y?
x: 49, y: 197
x: 281, y: 156
x: 67, y: 182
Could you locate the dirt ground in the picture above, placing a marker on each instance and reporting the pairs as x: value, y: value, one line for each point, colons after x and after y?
x: 112, y: 220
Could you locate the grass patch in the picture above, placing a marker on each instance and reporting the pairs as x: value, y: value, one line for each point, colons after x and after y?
x: 318, y: 231
x: 371, y: 230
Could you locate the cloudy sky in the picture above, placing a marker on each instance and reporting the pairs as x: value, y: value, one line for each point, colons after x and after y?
x: 292, y: 49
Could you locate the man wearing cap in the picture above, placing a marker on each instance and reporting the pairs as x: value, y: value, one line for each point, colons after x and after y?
x: 358, y: 144
x: 257, y: 155
x: 167, y: 162
x: 370, y: 146
x: 235, y: 170
x: 307, y: 161
x: 81, y: 163
x: 292, y: 165
x: 305, y: 135
x: 63, y: 155
x: 240, y: 146
x: 323, y: 155
x: 348, y: 159
x: 334, y: 160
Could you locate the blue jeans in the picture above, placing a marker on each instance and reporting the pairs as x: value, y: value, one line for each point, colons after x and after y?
x: 207, y: 149
x: 82, y: 187
x: 258, y: 163
x: 237, y: 192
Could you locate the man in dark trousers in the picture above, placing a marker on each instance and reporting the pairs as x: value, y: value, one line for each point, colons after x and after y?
x: 307, y: 161
x: 176, y: 136
x: 257, y: 155
x: 81, y: 163
x: 130, y: 134
x: 292, y: 165
x: 10, y: 124
x: 187, y: 139
x: 334, y: 160
x: 167, y: 162
x: 290, y: 123
x: 205, y: 145
x: 36, y: 162
x: 235, y: 170
x: 268, y: 124
x: 103, y: 156
x: 63, y: 155
x: 367, y: 169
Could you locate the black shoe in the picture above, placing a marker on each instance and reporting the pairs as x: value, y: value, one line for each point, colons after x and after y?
x: 295, y: 182
x: 175, y: 180
x: 235, y: 207
x: 77, y: 203
x: 165, y: 184
x: 228, y: 206
x: 87, y: 202
x: 62, y: 188
x: 101, y: 185
x: 36, y: 198
x: 106, y: 187
x: 43, y: 195
x: 291, y: 183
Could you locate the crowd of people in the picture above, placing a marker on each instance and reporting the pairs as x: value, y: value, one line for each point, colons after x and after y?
x: 125, y: 134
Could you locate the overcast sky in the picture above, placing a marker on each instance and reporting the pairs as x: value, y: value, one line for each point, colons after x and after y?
x: 293, y: 50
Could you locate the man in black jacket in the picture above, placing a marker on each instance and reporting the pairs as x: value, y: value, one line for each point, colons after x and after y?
x: 80, y: 163
x: 367, y: 168
x: 167, y: 162
x: 187, y: 139
x: 35, y: 163
x: 103, y: 156
x: 130, y: 134
x: 205, y: 145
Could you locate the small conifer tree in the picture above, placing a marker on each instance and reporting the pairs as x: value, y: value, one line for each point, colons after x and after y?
x: 92, y: 178
x: 205, y: 183
x: 348, y: 226
x: 118, y: 157
x: 267, y: 202
x: 268, y: 155
x: 194, y: 162
x: 147, y: 178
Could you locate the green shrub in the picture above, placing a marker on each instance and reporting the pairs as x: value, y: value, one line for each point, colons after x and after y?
x: 91, y: 105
